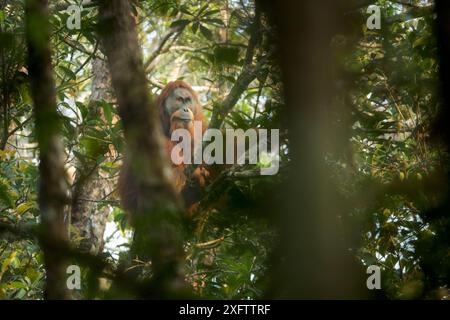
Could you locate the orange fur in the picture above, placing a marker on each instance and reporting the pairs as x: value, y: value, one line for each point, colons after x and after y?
x: 169, y: 125
x: 127, y: 186
x: 165, y: 120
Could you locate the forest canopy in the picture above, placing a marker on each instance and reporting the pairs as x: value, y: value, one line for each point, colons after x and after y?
x: 361, y: 113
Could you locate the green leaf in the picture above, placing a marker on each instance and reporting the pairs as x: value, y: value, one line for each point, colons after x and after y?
x: 419, y: 42
x: 215, y: 22
x: 195, y: 26
x: 206, y: 32
x: 24, y: 207
x: 209, y: 13
x: 32, y: 274
x: 17, y: 285
x: 82, y: 108
x: 180, y: 23
x: 94, y: 147
x: 20, y: 294
x: 107, y: 111
x: 174, y: 12
x: 68, y: 72
x: 185, y: 10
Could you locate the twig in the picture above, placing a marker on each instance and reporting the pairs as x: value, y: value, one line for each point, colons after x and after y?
x: 209, y: 244
x: 175, y: 33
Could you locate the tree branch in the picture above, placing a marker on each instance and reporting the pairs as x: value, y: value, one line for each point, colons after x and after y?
x: 247, y: 75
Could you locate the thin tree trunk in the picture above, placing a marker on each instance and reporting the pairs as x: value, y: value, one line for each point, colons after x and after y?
x: 53, y: 185
x: 89, y: 222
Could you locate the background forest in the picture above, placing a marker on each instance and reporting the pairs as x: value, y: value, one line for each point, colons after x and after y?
x: 370, y: 170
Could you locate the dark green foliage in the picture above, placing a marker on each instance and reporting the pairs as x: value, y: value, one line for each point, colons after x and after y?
x: 394, y: 171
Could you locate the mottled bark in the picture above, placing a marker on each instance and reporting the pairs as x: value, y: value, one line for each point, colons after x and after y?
x: 87, y: 220
x: 52, y: 185
x: 157, y: 220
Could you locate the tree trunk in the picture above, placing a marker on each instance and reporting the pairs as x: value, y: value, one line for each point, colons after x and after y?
x: 312, y: 261
x: 157, y: 220
x: 53, y: 189
x: 87, y: 221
